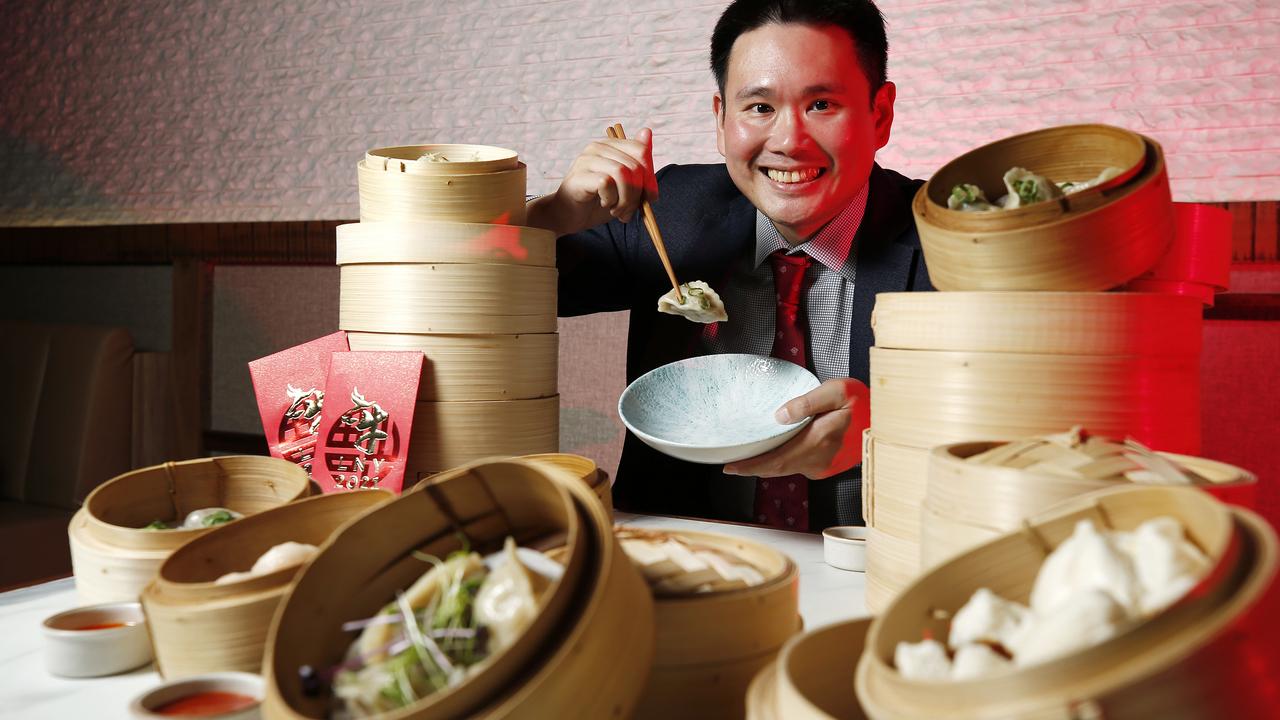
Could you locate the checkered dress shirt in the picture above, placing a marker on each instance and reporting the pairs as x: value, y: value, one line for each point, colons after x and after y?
x: 750, y: 301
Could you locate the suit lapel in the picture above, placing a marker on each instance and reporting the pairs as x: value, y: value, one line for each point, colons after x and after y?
x: 883, y: 265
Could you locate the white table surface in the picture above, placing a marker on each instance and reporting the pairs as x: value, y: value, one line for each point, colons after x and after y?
x: 827, y: 595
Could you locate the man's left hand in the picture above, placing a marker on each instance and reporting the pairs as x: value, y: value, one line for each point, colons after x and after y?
x: 831, y: 444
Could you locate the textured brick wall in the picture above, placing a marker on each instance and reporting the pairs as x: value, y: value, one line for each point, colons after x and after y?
x: 163, y: 111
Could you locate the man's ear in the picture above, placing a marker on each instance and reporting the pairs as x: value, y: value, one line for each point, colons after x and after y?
x: 882, y: 109
x: 717, y: 107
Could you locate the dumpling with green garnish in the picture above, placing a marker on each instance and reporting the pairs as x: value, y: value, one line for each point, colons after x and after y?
x: 700, y: 303
x: 1026, y: 188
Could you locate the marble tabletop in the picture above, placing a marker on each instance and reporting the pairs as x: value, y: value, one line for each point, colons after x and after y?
x: 827, y: 595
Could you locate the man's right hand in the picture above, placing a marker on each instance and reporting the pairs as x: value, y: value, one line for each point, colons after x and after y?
x: 609, y: 179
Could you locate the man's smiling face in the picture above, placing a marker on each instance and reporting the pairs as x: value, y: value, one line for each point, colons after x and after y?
x: 797, y: 125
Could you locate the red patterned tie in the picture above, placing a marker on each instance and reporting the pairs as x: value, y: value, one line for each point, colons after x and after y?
x: 783, y: 502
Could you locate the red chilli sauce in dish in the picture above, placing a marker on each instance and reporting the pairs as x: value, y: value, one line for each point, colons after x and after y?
x: 206, y: 703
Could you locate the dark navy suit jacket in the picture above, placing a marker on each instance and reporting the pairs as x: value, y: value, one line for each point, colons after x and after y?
x: 707, y: 225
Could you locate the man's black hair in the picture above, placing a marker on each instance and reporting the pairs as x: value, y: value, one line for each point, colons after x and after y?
x: 860, y: 18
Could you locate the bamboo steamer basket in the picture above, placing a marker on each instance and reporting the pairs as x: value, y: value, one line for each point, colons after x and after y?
x: 925, y: 398
x: 708, y: 646
x: 968, y: 504
x: 814, y: 670
x: 1066, y: 323
x: 894, y: 486
x: 113, y: 559
x: 198, y: 626
x: 762, y: 694
x: 1093, y: 240
x: 609, y: 647
x: 447, y: 298
x: 892, y: 563
x: 444, y: 242
x: 943, y: 537
x: 585, y: 469
x: 396, y: 186
x: 1183, y: 663
x: 369, y: 559
x: 1000, y: 498
x: 476, y: 367
x: 448, y: 434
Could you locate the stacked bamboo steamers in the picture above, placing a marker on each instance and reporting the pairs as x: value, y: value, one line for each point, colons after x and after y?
x: 439, y: 262
x: 1024, y: 340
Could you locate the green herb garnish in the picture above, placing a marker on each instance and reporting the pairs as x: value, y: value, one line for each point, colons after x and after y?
x: 217, y: 518
x: 157, y: 525
x: 1028, y: 191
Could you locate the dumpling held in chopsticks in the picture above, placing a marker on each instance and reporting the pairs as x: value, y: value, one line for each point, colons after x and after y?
x: 701, y: 303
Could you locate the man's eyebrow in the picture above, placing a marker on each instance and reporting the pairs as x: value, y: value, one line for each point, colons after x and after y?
x: 760, y: 91
x: 764, y: 91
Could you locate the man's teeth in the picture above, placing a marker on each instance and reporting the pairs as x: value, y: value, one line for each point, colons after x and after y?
x: 784, y: 176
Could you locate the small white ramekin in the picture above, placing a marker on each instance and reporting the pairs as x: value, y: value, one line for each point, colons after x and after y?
x: 845, y: 547
x: 72, y: 652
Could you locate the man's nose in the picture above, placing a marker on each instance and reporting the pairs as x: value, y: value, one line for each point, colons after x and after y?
x: 789, y: 132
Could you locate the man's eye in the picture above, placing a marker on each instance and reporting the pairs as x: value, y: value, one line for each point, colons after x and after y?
x: 761, y: 108
x: 821, y: 105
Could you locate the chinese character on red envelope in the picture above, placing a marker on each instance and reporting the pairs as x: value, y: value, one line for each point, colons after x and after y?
x: 290, y: 390
x: 364, y: 439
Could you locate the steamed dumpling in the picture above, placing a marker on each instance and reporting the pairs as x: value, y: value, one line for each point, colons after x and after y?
x: 701, y: 303
x: 987, y: 617
x: 1167, y: 564
x: 1026, y: 187
x: 977, y: 660
x: 209, y: 517
x: 1087, y: 559
x: 286, y: 554
x: 507, y: 602
x: 1086, y: 617
x: 925, y: 660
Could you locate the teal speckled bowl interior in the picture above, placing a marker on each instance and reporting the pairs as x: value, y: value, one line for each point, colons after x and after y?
x: 714, y: 408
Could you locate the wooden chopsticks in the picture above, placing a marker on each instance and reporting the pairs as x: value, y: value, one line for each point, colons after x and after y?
x: 651, y: 223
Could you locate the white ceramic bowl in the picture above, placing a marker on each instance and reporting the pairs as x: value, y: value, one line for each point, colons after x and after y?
x: 71, y: 651
x: 240, y: 683
x: 714, y: 409
x: 845, y: 547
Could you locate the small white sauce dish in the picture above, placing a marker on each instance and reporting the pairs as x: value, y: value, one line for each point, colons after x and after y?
x: 96, y: 640
x: 845, y: 547
x: 147, y: 705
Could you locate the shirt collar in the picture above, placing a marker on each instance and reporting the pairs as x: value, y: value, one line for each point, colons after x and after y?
x: 830, y: 246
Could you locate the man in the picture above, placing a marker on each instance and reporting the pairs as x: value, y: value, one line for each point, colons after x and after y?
x: 803, y: 105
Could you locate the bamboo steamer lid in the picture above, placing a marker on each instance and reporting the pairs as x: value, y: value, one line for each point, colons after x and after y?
x: 708, y: 646
x: 1068, y: 323
x: 448, y: 434
x: 924, y: 398
x: 447, y: 298
x: 1094, y: 240
x: 1177, y: 664
x: 113, y: 559
x: 476, y: 367
x: 198, y: 626
x: 583, y: 468
x: 451, y: 159
x: 489, y: 190
x: 444, y: 242
x: 361, y: 567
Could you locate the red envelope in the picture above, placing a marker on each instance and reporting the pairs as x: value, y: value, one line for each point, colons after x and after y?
x: 290, y: 390
x: 368, y: 417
